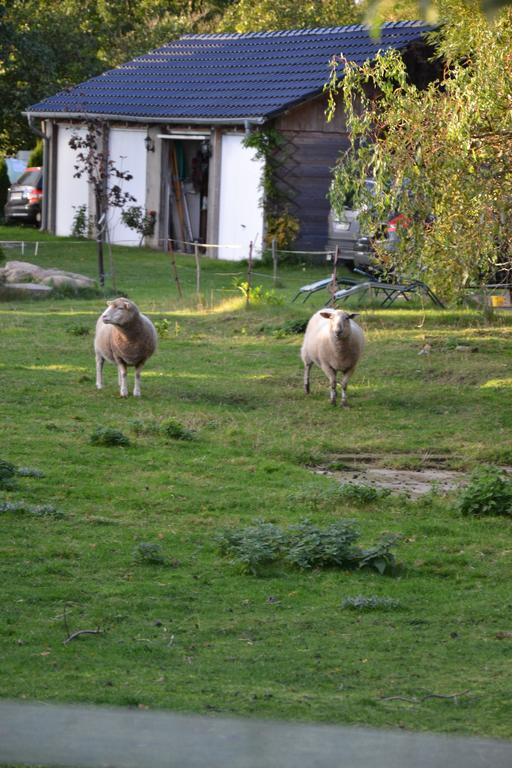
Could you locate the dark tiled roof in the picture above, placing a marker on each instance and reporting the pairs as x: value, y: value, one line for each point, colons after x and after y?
x: 228, y: 76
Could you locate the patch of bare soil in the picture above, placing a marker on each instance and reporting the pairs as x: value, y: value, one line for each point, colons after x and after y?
x: 361, y: 469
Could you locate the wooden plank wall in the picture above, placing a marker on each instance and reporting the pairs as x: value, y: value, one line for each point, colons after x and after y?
x: 305, y: 167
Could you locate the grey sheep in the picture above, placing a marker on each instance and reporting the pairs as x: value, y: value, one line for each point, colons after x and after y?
x: 124, y: 336
x: 334, y: 342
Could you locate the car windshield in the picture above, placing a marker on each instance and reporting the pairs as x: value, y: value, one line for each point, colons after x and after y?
x: 30, y: 178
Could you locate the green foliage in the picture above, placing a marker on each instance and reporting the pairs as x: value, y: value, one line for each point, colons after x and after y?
x: 305, y: 546
x: 80, y: 228
x: 256, y: 294
x: 489, y: 493
x: 109, y: 436
x: 150, y: 553
x: 78, y: 329
x: 143, y: 222
x: 254, y: 546
x: 281, y: 225
x: 173, y: 430
x: 373, y: 603
x: 250, y: 16
x: 36, y: 510
x: 162, y: 328
x: 283, y: 229
x: 362, y: 494
x: 35, y: 159
x: 440, y: 151
x: 56, y: 44
x: 7, y: 473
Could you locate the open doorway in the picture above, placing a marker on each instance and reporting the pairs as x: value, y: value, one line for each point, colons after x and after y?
x: 188, y: 167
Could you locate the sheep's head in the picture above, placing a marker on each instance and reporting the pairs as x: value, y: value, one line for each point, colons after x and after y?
x: 339, y: 320
x: 119, y: 312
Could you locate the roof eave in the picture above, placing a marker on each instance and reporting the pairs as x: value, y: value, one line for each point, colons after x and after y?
x: 256, y: 119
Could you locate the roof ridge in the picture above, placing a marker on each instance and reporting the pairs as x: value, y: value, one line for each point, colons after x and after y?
x: 300, y: 31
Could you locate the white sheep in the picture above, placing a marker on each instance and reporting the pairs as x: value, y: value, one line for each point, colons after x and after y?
x: 124, y: 336
x: 334, y: 342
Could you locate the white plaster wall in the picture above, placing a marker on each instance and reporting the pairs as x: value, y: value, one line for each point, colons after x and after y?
x: 240, y: 213
x: 127, y: 150
x: 70, y: 191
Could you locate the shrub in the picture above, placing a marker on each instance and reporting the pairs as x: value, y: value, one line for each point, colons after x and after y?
x: 489, y: 493
x: 7, y: 474
x: 361, y: 603
x: 35, y: 159
x: 173, y: 430
x: 77, y: 329
x: 108, y: 436
x: 305, y: 546
x: 80, y: 228
x: 162, y: 328
x: 151, y: 553
x: 362, y: 494
x: 142, y: 221
x: 9, y: 471
x: 37, y: 510
x: 254, y: 546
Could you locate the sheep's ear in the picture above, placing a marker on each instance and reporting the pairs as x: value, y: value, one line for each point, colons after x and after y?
x: 126, y: 305
x: 109, y: 303
x: 353, y: 314
x: 327, y: 313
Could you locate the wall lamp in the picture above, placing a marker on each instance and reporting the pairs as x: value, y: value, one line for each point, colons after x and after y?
x: 149, y: 144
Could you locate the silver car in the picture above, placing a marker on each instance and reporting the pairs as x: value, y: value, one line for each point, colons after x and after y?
x: 344, y: 231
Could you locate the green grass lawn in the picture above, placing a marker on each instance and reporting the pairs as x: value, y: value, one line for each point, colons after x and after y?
x: 196, y: 634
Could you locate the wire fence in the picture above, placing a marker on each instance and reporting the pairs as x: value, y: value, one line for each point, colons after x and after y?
x: 184, y: 274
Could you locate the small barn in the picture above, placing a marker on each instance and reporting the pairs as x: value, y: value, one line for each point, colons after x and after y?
x: 176, y: 119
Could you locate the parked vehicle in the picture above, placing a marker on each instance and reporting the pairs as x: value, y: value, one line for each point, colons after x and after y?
x: 356, y: 248
x: 24, y: 198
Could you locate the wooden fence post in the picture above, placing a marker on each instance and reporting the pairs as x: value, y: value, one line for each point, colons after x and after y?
x: 249, y: 276
x: 274, y: 260
x: 174, y: 267
x: 198, y: 268
x: 334, y: 283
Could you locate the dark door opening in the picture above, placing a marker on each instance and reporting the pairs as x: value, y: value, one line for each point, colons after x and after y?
x: 188, y: 192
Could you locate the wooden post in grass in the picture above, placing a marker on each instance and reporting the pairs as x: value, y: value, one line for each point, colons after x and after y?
x: 249, y: 276
x: 334, y: 282
x: 274, y: 261
x: 174, y: 267
x: 198, y: 268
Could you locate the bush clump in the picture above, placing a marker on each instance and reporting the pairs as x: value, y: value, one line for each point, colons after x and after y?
x: 7, y: 472
x: 37, y: 510
x: 173, y: 430
x: 109, y: 436
x: 149, y: 553
x: 305, y: 546
x: 362, y: 494
x: 489, y: 493
x: 373, y: 603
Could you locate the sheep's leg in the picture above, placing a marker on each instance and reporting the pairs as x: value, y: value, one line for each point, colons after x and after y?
x: 136, y: 388
x: 331, y: 375
x: 100, y: 362
x: 307, y: 374
x: 344, y: 382
x: 122, y: 373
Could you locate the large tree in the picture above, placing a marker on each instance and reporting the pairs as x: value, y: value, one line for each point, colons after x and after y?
x: 251, y: 15
x: 48, y: 45
x: 444, y: 152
